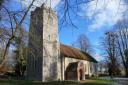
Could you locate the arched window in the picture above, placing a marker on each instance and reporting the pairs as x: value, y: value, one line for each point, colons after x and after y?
x: 51, y: 20
x: 85, y: 68
x: 91, y: 68
x: 49, y: 37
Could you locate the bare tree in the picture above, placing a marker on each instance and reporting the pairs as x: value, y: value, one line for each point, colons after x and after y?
x: 15, y: 19
x: 122, y: 33
x: 83, y: 43
x: 109, y: 44
x: 68, y: 8
x: 21, y: 52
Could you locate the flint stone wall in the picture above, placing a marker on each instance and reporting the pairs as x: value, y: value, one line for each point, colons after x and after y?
x: 43, y: 59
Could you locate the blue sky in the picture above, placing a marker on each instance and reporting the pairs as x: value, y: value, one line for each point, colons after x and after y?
x: 94, y: 19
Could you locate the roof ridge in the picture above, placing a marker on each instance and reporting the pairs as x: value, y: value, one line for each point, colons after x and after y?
x: 72, y: 52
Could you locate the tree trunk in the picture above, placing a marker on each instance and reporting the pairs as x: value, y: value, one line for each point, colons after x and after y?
x: 6, y: 51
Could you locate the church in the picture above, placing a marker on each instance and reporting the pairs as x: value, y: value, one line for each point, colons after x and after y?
x: 50, y: 60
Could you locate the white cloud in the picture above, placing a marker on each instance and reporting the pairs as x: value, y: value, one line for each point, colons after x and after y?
x: 98, y: 57
x: 97, y: 44
x: 103, y: 12
x: 38, y: 3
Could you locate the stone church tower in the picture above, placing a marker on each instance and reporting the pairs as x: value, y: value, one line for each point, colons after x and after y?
x: 43, y: 63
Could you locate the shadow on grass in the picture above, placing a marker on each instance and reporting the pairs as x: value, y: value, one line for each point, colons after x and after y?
x: 22, y: 82
x: 94, y: 84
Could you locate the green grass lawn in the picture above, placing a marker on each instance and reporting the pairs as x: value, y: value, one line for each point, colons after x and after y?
x: 86, y: 82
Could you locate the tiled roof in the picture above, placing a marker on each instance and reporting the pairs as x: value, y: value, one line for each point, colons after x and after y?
x: 71, y: 52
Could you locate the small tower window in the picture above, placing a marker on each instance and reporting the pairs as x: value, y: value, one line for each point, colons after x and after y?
x: 51, y: 20
x: 49, y: 37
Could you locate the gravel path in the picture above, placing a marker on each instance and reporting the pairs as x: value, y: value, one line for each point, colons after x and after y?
x: 120, y: 81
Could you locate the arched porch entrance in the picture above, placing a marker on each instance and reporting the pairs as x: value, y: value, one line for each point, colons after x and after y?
x: 75, y: 71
